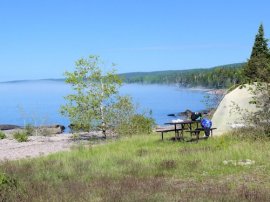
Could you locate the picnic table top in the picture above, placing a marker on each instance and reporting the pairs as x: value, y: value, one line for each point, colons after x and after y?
x: 183, y: 122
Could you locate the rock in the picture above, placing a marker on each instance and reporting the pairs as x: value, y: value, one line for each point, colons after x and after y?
x: 246, y: 162
x: 171, y: 115
x: 228, y: 109
x: 51, y: 129
x: 238, y: 125
x: 186, y: 113
x: 8, y: 127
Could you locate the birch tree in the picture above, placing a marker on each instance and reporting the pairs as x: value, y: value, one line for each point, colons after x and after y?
x: 95, y: 96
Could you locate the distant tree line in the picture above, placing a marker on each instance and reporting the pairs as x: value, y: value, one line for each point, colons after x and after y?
x: 217, y: 77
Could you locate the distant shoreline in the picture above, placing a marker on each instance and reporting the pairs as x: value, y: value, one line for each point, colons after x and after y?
x: 198, y: 88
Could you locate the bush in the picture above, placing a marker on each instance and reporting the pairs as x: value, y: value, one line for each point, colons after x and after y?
x: 8, y: 186
x: 250, y: 133
x: 29, y: 129
x: 138, y: 124
x: 7, y: 181
x: 2, y: 135
x: 21, y: 136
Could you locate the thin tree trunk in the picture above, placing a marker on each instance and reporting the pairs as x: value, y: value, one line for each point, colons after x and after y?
x: 103, y: 125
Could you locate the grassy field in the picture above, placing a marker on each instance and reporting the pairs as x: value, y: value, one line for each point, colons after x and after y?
x: 143, y: 168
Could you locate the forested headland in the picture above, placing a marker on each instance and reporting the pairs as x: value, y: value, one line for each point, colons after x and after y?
x: 216, y: 77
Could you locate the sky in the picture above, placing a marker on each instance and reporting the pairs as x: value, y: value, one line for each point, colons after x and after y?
x: 43, y: 38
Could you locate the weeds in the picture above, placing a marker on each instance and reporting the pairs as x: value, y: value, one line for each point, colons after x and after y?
x: 2, y: 135
x: 142, y: 168
x: 21, y: 136
x: 29, y: 129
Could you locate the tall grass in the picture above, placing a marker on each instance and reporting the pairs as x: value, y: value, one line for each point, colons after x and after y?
x: 144, y: 168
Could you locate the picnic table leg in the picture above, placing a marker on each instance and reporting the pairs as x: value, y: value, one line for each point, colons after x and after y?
x: 162, y: 135
x: 182, y: 134
x: 182, y: 131
x: 175, y: 131
x: 198, y: 135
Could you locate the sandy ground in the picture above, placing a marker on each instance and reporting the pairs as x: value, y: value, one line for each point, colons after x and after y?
x: 10, y: 149
x: 226, y: 117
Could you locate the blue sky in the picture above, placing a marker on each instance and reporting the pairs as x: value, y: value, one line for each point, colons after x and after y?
x: 43, y: 38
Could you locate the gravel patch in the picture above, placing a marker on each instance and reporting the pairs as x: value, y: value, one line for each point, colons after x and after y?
x: 10, y: 149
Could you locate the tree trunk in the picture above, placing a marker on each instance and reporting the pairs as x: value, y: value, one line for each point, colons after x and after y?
x: 103, y: 124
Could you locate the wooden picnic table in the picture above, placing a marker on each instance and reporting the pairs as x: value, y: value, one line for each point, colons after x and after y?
x: 183, y: 124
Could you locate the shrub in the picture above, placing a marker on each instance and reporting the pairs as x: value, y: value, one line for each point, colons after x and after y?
x: 7, y: 181
x: 2, y: 135
x: 21, y: 136
x: 44, y: 131
x: 75, y: 136
x: 251, y: 133
x: 29, y: 129
x: 8, y: 186
x: 138, y: 124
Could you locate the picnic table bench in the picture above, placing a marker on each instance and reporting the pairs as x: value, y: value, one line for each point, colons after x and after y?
x: 197, y: 132
x: 169, y: 129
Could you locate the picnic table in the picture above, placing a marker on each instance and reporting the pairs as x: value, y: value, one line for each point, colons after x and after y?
x: 178, y: 126
x: 181, y: 126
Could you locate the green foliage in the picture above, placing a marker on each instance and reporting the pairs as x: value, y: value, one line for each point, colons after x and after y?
x: 250, y: 134
x: 29, y: 129
x: 96, y: 103
x: 94, y: 93
x: 8, y: 185
x: 261, y: 118
x: 7, y: 181
x: 21, y: 136
x: 260, y: 46
x: 257, y: 72
x: 2, y: 135
x: 217, y: 77
x: 258, y: 66
x: 75, y: 136
x: 136, y: 124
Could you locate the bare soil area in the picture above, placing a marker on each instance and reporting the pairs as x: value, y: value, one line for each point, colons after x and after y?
x: 11, y: 149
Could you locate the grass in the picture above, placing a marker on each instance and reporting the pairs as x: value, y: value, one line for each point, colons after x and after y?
x: 21, y: 136
x: 2, y: 135
x: 144, y: 168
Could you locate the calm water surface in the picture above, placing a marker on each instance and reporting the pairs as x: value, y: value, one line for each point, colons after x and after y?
x: 38, y: 102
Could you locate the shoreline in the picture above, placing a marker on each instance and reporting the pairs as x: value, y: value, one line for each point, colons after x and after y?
x: 39, y: 146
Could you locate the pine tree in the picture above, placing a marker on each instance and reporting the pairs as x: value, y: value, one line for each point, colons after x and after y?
x: 257, y: 68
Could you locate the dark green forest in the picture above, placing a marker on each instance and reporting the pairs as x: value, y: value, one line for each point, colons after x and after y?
x: 215, y: 77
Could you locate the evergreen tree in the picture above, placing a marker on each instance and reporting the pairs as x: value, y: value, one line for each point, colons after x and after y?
x: 257, y: 68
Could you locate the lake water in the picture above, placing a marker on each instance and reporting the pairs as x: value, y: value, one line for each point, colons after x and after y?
x: 38, y: 102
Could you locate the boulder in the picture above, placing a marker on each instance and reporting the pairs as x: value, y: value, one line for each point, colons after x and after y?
x: 233, y: 109
x: 51, y: 129
x: 186, y: 113
x: 171, y: 115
